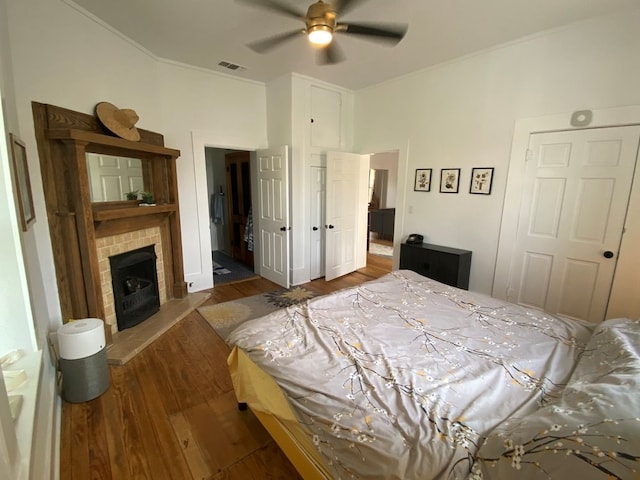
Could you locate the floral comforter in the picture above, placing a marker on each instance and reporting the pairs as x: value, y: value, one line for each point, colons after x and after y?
x: 407, y: 378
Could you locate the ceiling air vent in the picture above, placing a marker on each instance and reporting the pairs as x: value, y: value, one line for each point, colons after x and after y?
x: 232, y: 66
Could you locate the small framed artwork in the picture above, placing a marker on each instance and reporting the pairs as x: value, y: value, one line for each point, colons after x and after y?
x: 23, y: 184
x: 423, y: 180
x: 449, y: 180
x: 481, y: 181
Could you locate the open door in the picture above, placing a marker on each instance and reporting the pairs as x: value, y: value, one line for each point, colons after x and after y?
x: 346, y: 213
x: 273, y: 214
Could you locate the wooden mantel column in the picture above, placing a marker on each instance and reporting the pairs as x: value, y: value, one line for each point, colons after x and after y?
x: 81, y: 202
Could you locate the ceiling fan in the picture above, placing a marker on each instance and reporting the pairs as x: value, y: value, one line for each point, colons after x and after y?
x: 320, y: 25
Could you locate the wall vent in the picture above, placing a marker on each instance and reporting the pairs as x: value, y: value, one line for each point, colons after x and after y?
x: 231, y: 66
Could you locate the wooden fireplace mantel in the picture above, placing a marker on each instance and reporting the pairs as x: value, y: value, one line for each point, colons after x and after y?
x: 64, y: 137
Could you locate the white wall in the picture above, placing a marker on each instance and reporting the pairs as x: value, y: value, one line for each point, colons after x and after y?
x: 201, y: 109
x: 52, y: 65
x: 54, y: 53
x: 13, y: 334
x: 461, y: 115
x: 64, y: 57
x: 15, y: 311
x: 38, y: 416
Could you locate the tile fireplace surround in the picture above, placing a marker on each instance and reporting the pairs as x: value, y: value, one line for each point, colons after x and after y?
x: 127, y: 343
x: 125, y: 242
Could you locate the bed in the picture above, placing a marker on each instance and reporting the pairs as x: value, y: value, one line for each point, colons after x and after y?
x: 407, y: 378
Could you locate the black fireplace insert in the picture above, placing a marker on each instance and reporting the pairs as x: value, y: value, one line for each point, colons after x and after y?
x: 135, y: 286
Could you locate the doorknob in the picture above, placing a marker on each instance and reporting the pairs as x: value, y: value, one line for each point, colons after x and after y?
x: 608, y: 254
x: 328, y: 226
x: 283, y: 229
x: 314, y: 228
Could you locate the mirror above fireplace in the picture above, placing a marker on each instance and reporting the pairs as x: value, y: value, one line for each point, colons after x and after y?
x: 112, y: 177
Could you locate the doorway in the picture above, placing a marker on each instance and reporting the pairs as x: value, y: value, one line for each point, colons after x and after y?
x: 239, y: 207
x: 230, y: 205
x: 383, y: 185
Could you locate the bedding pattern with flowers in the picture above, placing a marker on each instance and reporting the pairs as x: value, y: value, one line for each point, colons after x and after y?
x: 407, y: 378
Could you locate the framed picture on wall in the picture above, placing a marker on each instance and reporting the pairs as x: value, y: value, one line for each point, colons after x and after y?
x: 423, y: 180
x: 23, y: 184
x: 449, y: 180
x: 481, y: 181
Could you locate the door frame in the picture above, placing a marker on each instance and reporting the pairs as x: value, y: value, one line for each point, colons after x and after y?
x: 523, y: 129
x: 399, y: 190
x: 404, y: 183
x: 200, y: 276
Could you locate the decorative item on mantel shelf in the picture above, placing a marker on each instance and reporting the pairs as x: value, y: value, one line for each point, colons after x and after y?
x: 147, y: 199
x: 132, y: 195
x: 122, y: 122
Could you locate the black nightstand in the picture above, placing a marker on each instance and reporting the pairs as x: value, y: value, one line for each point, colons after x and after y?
x: 444, y: 264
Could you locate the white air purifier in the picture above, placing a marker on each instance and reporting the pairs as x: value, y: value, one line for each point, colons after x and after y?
x: 83, y: 359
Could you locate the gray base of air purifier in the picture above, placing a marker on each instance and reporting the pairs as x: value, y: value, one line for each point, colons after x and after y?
x: 84, y: 379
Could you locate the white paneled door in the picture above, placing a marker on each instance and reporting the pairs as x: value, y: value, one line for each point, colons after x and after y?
x: 273, y: 215
x: 346, y: 213
x: 574, y: 202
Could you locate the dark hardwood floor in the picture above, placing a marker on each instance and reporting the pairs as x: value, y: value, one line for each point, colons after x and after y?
x: 171, y: 413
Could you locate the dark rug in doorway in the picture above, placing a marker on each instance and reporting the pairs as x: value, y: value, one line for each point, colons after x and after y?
x: 225, y: 317
x: 227, y: 270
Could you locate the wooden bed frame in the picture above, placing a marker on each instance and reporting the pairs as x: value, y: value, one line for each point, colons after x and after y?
x: 248, y: 391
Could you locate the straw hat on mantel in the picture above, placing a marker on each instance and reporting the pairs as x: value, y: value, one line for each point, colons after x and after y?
x: 120, y: 121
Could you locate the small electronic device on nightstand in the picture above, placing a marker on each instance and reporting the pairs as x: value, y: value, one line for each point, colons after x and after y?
x: 415, y: 239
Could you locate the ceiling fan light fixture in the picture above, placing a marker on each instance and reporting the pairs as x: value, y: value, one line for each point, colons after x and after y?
x: 320, y: 35
x: 321, y: 24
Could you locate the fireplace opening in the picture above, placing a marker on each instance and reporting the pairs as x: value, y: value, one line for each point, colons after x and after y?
x: 135, y: 286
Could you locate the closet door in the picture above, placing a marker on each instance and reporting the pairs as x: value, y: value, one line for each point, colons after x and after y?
x: 346, y: 218
x: 326, y: 127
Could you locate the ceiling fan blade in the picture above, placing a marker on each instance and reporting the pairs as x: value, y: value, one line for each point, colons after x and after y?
x: 275, y: 6
x: 345, y: 6
x: 330, y: 55
x: 269, y: 43
x: 390, y: 33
